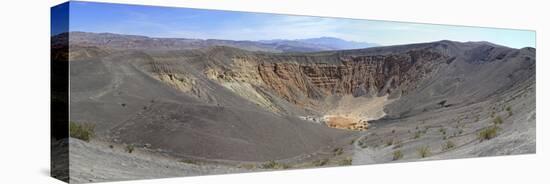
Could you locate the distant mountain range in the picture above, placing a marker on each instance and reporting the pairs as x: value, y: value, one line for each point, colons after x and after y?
x: 322, y: 43
x: 120, y: 41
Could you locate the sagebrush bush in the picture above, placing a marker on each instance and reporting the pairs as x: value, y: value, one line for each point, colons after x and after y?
x: 319, y: 163
x: 389, y: 142
x: 417, y: 134
x: 397, y: 155
x: 424, y: 151
x: 189, y: 161
x: 488, y: 133
x: 84, y: 131
x: 363, y: 145
x: 497, y: 120
x: 274, y: 165
x: 130, y: 148
x: 448, y: 145
x: 269, y: 165
x: 509, y: 109
x: 346, y: 161
x: 338, y: 151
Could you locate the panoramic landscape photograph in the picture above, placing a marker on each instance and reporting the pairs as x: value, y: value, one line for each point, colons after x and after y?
x: 157, y: 92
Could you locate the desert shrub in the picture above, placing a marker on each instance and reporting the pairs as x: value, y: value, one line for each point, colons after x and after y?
x: 338, y: 151
x: 319, y: 163
x: 389, y: 142
x: 397, y: 154
x: 448, y: 145
x: 417, y: 134
x: 362, y: 144
x: 488, y: 133
x: 497, y: 120
x: 274, y: 165
x: 84, y: 131
x: 346, y: 161
x: 443, y: 131
x: 269, y: 165
x: 285, y: 166
x: 424, y: 151
x: 130, y: 148
x: 189, y: 161
x: 509, y: 109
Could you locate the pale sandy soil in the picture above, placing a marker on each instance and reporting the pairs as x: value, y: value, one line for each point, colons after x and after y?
x: 344, y: 122
x: 353, y: 113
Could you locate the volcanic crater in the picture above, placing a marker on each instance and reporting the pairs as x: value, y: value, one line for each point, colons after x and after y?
x: 225, y: 106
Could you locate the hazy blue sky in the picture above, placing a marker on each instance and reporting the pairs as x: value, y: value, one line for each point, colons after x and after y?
x: 194, y: 23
